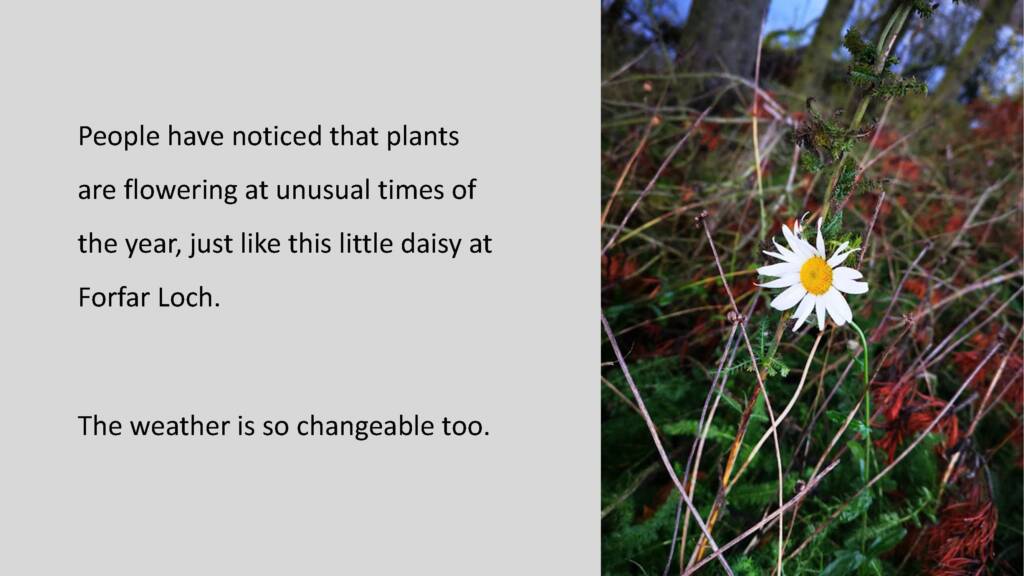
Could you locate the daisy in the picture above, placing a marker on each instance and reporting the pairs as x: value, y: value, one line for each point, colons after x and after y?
x: 811, y: 279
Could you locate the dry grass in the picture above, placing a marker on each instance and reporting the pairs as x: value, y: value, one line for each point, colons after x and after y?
x: 937, y: 210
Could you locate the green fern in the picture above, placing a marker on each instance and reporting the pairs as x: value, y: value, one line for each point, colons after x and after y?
x: 761, y: 493
x: 632, y: 540
x: 691, y: 427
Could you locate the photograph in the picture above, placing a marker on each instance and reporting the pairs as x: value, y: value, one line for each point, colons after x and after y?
x: 811, y: 287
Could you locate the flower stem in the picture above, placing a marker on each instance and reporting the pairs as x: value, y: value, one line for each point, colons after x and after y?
x: 867, y: 400
x: 867, y: 422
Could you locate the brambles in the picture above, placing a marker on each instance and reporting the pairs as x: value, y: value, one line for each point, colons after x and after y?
x: 869, y: 73
x: 826, y: 137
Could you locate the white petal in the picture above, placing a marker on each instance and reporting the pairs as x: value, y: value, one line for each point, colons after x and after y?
x: 804, y: 310
x: 789, y: 297
x: 789, y: 254
x: 780, y: 269
x: 839, y: 257
x: 849, y: 286
x: 837, y: 307
x: 808, y: 248
x: 844, y: 273
x: 821, y: 241
x: 779, y: 256
x: 796, y: 244
x: 783, y: 281
x: 819, y: 309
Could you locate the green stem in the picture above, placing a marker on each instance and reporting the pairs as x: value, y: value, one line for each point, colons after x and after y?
x: 882, y: 49
x: 868, y: 452
x: 867, y: 398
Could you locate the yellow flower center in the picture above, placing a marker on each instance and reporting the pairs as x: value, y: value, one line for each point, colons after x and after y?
x: 816, y: 276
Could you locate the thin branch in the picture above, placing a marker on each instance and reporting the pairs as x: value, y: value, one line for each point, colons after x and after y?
x: 811, y: 485
x: 867, y: 233
x: 657, y: 440
x: 693, y: 462
x: 650, y: 185
x: 757, y: 372
x: 877, y: 333
x: 785, y: 411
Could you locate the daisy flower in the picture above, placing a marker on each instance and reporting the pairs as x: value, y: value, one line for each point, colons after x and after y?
x: 811, y: 279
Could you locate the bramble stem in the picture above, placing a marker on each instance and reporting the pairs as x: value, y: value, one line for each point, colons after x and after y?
x: 882, y: 49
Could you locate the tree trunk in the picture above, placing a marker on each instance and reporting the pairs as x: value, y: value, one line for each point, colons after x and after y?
x: 818, y: 55
x: 995, y: 15
x: 721, y: 36
x: 611, y: 17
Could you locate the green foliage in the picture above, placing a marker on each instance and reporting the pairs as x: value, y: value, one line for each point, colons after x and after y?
x: 865, y: 546
x: 878, y: 81
x: 845, y: 185
x: 675, y: 326
x: 767, y: 360
x: 852, y: 562
x: 859, y: 507
x: 885, y: 84
x: 920, y: 467
x: 691, y: 427
x: 826, y: 136
x: 925, y: 8
x: 883, y: 534
x: 747, y: 567
x: 761, y: 493
x: 664, y: 384
x: 861, y: 52
x: 811, y: 163
x: 633, y: 539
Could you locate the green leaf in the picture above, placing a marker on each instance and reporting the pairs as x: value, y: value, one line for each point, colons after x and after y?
x: 886, y: 540
x: 872, y: 567
x: 846, y: 562
x: 691, y: 427
x: 858, y: 507
x: 856, y: 447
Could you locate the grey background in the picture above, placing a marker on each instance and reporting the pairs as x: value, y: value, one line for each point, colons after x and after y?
x: 510, y: 339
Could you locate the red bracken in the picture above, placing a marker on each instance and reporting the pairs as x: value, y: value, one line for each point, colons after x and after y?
x: 962, y: 542
x: 906, y: 412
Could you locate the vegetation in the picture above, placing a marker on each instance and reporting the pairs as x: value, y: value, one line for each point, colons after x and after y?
x: 919, y: 471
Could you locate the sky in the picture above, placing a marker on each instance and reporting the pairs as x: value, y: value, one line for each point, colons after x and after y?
x: 782, y: 14
x: 792, y: 13
x: 797, y: 14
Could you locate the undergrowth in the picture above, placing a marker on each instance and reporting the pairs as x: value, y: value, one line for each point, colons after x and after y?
x: 934, y: 203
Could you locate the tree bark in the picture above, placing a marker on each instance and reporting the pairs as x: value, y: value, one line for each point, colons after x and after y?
x: 612, y: 17
x: 721, y: 36
x: 818, y: 54
x: 995, y: 15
